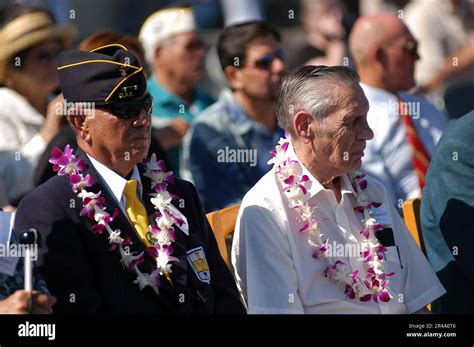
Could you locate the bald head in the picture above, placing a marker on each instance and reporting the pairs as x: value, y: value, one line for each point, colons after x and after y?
x: 384, y: 52
x: 371, y: 31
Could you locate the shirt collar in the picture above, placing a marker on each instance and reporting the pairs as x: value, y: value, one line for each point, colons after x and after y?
x: 162, y: 94
x: 374, y: 93
x: 381, y: 95
x: 241, y: 122
x: 166, y: 97
x: 114, y: 181
x: 316, y: 187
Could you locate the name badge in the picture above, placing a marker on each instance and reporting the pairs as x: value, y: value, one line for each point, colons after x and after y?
x: 197, y: 260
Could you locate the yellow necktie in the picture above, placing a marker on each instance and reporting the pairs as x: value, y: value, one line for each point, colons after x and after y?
x: 137, y: 213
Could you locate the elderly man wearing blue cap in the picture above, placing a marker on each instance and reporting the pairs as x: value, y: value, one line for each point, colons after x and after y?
x: 122, y: 235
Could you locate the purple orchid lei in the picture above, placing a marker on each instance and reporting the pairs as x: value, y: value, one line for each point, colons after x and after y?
x: 65, y: 163
x: 375, y: 285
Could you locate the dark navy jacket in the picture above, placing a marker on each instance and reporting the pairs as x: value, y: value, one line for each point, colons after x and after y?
x: 447, y: 216
x: 88, y: 278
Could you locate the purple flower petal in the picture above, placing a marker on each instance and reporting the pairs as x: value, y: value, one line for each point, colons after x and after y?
x: 155, y: 277
x: 366, y: 297
x: 355, y: 277
x: 152, y: 251
x: 365, y: 233
x: 127, y: 241
x: 384, y: 296
x: 375, y: 204
x: 303, y: 189
x: 75, y: 178
x: 98, y: 228
x: 305, y: 228
x: 349, y: 291
x: 290, y: 180
x: 363, y: 184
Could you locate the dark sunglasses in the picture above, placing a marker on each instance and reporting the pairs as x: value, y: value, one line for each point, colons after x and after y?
x: 44, y: 57
x: 266, y: 61
x: 411, y: 47
x: 130, y: 108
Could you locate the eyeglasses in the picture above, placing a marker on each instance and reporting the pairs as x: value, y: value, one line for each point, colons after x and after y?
x: 188, y: 45
x: 43, y: 57
x: 195, y: 45
x: 411, y: 47
x: 266, y: 61
x: 130, y: 108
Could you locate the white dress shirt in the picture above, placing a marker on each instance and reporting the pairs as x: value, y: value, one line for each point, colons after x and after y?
x: 116, y: 183
x: 273, y: 262
x: 19, y: 126
x: 388, y: 156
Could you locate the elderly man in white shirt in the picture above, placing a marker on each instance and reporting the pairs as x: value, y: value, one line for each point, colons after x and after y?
x: 406, y: 127
x: 314, y: 235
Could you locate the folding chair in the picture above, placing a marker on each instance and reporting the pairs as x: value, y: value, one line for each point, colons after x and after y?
x: 223, y: 223
x: 411, y: 216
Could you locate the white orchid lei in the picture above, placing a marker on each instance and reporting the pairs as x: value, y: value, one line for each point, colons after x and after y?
x: 66, y: 163
x: 375, y: 285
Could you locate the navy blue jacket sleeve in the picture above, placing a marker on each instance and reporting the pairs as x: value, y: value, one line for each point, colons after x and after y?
x: 63, y: 262
x: 226, y: 295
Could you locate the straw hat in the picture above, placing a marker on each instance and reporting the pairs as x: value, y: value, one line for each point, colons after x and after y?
x: 26, y: 31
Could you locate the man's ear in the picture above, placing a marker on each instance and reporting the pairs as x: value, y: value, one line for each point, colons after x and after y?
x: 234, y: 77
x: 79, y: 122
x: 302, y: 122
x: 157, y: 53
x: 379, y: 55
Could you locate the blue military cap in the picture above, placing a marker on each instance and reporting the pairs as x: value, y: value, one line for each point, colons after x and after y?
x: 105, y: 74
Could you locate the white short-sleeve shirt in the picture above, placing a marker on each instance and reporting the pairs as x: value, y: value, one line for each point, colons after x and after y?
x: 273, y: 262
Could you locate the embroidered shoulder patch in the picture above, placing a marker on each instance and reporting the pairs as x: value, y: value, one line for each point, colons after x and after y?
x: 197, y: 260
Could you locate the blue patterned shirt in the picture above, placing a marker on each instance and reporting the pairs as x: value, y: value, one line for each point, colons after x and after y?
x: 226, y: 152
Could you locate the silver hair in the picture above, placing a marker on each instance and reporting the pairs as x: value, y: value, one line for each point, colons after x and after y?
x: 312, y: 89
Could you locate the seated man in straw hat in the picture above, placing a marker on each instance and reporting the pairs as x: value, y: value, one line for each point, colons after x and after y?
x: 121, y: 236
